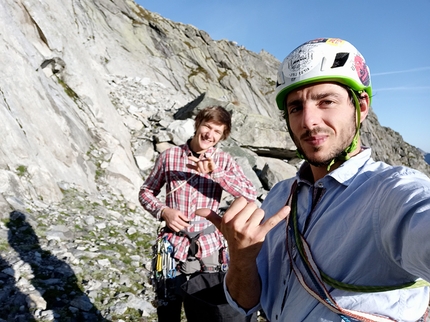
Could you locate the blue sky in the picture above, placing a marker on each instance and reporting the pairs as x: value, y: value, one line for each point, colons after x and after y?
x: 393, y: 36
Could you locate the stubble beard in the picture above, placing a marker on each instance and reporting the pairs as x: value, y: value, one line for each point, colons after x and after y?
x: 336, y: 152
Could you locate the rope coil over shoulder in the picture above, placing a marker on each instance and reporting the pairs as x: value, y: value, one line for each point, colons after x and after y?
x: 313, y: 280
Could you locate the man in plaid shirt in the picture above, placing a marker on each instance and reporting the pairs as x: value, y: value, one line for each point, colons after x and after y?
x: 195, y: 175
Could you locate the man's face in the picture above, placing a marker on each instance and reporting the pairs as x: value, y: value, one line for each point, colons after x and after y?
x: 322, y: 119
x: 207, y: 135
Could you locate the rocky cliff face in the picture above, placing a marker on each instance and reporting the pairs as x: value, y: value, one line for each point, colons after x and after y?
x: 91, y: 91
x: 427, y: 158
x: 56, y: 107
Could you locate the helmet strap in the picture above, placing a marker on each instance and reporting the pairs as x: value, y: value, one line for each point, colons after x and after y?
x: 345, y: 154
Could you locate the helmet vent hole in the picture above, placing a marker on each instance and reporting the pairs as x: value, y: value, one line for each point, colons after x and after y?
x: 340, y: 60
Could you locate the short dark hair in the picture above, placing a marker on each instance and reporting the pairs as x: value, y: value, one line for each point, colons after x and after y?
x: 217, y: 114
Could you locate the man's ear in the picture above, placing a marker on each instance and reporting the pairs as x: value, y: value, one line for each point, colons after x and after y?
x: 364, y: 106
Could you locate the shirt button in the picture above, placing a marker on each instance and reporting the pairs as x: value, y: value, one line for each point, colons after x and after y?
x: 320, y: 184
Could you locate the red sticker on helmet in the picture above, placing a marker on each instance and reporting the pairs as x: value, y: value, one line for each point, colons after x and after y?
x: 361, y: 69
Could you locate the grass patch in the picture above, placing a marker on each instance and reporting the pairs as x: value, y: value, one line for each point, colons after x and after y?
x: 21, y: 170
x: 70, y: 92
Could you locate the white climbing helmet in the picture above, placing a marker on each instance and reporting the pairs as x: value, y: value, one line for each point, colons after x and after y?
x: 321, y: 60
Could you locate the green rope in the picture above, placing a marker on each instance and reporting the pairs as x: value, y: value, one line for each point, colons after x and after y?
x: 340, y: 285
x: 368, y: 288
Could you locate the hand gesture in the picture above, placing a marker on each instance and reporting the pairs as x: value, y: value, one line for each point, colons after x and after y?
x: 242, y: 228
x: 205, y: 165
x: 175, y: 219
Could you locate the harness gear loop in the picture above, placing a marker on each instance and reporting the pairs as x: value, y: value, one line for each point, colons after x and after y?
x: 194, y: 247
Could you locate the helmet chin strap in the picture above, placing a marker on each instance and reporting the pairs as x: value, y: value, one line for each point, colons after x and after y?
x: 345, y: 154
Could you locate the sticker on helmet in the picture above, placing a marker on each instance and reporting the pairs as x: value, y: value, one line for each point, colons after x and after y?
x: 316, y: 41
x: 335, y: 41
x: 362, y: 70
x: 301, y: 61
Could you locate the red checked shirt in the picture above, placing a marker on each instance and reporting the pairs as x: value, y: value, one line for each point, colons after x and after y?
x: 195, y: 191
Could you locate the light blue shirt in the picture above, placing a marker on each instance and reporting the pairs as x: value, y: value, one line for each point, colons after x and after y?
x: 367, y: 223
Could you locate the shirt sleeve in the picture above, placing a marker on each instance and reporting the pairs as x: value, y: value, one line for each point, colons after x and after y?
x: 235, y: 305
x: 231, y: 178
x: 151, y: 188
x: 404, y: 221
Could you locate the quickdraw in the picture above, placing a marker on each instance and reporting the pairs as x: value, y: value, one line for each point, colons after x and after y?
x: 163, y: 265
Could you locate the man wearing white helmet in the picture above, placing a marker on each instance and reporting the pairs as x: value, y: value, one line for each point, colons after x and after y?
x: 346, y: 239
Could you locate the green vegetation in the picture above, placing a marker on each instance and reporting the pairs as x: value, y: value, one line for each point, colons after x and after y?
x: 271, y: 82
x: 106, y: 238
x: 4, y: 245
x: 243, y: 74
x: 222, y: 74
x: 145, y: 14
x: 131, y: 315
x: 70, y: 92
x: 200, y: 70
x: 22, y: 170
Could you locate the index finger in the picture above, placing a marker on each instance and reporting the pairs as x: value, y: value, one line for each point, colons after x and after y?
x: 275, y: 219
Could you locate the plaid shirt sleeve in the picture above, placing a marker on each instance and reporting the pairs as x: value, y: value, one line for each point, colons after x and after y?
x: 151, y: 188
x: 229, y: 175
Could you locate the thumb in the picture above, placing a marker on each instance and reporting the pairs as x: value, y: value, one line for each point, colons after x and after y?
x: 210, y: 215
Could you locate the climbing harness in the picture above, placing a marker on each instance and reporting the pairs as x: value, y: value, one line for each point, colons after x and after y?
x: 193, y: 249
x: 165, y: 266
x: 313, y: 276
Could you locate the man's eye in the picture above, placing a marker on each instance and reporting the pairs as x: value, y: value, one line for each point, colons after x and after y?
x: 293, y: 110
x: 326, y: 102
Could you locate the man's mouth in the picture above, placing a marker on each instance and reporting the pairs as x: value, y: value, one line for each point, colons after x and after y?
x: 206, y: 140
x: 316, y: 140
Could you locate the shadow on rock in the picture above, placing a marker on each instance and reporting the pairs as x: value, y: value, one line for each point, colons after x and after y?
x: 54, y: 281
x: 11, y: 298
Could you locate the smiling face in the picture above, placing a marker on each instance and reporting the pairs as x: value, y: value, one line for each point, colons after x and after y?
x: 322, y: 119
x: 208, y: 134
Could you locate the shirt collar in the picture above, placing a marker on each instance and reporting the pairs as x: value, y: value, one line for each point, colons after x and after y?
x: 345, y: 172
x: 349, y: 169
x: 188, y: 152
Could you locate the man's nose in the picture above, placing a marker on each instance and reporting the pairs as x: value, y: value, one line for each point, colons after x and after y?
x: 310, y: 116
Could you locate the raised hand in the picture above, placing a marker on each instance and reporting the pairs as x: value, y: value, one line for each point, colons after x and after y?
x: 205, y: 165
x: 244, y: 231
x: 241, y: 226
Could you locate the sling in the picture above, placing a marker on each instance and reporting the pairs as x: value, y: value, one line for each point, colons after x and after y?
x: 313, y: 278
